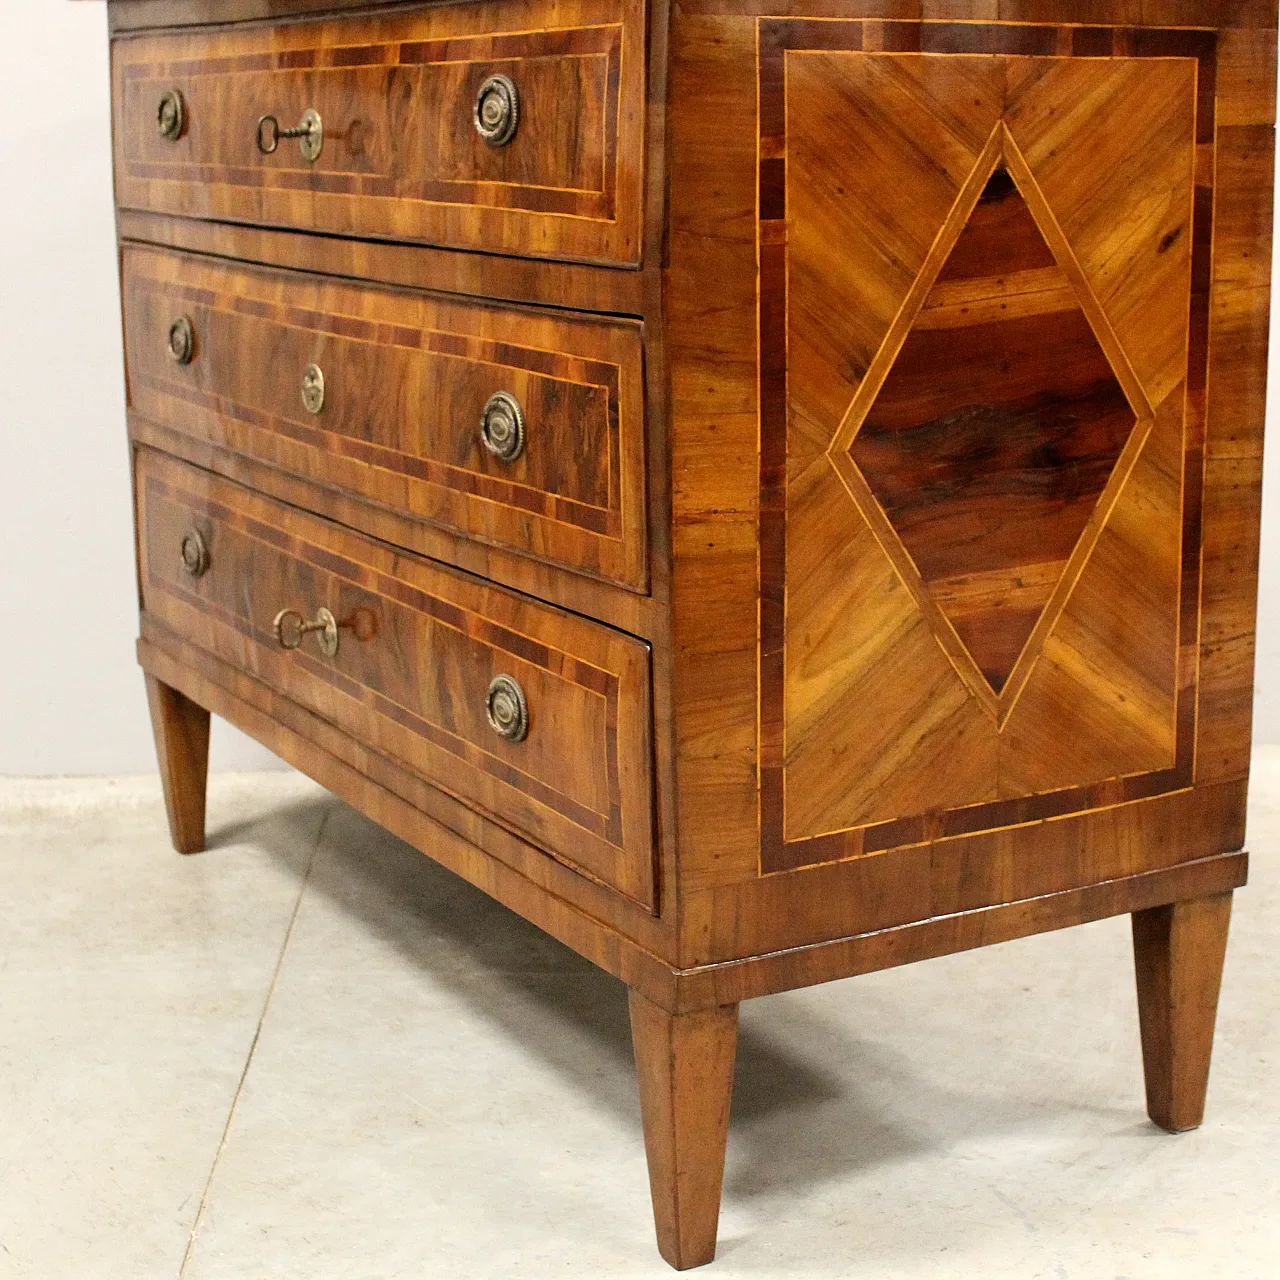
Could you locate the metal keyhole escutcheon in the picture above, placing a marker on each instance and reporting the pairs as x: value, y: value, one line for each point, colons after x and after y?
x: 290, y: 627
x: 309, y: 131
x: 313, y: 388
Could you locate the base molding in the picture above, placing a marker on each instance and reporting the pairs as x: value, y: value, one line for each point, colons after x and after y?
x: 681, y: 990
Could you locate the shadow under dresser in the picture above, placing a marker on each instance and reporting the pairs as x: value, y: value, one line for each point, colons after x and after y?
x: 769, y: 492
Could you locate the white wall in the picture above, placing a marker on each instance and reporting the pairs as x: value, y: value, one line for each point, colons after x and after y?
x: 71, y: 693
x: 71, y: 698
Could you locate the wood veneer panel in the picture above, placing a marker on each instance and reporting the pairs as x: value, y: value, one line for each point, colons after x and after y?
x: 711, y: 338
x: 991, y: 494
x: 417, y: 653
x: 401, y: 158
x: 1236, y: 413
x: 579, y: 286
x: 1000, y: 400
x: 1225, y: 14
x: 639, y: 615
x: 618, y: 936
x: 407, y: 377
x: 940, y: 877
x: 947, y: 934
x: 709, y: 263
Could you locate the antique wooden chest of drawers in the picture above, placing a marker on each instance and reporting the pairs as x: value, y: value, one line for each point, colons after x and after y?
x: 768, y: 491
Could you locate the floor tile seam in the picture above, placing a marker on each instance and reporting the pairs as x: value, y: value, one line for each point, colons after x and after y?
x: 197, y: 1221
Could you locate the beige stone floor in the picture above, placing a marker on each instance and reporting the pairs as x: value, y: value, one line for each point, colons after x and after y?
x: 312, y: 1054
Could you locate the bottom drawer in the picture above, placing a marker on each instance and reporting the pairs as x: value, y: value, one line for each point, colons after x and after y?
x: 537, y: 718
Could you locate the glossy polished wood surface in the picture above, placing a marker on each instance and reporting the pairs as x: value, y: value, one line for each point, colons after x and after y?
x: 401, y: 156
x: 406, y: 381
x: 916, y: 523
x: 181, y: 729
x: 1178, y: 950
x: 845, y: 768
x: 685, y: 1067
x: 418, y: 648
x: 1010, y: 469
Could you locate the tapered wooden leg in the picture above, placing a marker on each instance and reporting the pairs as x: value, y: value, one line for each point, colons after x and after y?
x: 685, y: 1065
x: 181, y: 730
x: 1178, y: 952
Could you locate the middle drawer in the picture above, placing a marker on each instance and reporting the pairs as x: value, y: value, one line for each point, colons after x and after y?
x: 519, y: 428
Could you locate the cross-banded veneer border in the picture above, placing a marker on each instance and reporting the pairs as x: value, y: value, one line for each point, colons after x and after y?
x: 775, y: 38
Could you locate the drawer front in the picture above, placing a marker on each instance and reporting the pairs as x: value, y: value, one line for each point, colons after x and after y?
x: 426, y: 661
x: 399, y: 151
x: 401, y: 417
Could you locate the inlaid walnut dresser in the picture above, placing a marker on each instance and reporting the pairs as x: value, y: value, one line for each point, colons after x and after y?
x: 767, y: 489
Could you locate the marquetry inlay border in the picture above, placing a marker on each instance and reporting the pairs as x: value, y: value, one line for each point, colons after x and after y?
x: 777, y: 36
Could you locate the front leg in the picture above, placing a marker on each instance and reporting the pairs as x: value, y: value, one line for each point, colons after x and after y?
x: 685, y: 1067
x: 181, y: 731
x: 1178, y: 950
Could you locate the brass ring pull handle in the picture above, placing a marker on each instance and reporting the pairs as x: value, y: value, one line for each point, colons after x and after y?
x: 309, y: 131
x: 195, y: 553
x: 497, y: 110
x: 290, y: 627
x: 182, y: 341
x: 506, y: 709
x: 171, y: 115
x: 502, y: 426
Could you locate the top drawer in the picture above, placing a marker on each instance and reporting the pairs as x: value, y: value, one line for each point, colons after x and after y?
x: 398, y: 151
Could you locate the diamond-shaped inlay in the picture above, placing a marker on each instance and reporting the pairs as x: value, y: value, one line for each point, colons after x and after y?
x: 995, y: 431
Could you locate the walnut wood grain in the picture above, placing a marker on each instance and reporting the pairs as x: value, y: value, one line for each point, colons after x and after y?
x: 976, y: 395
x: 580, y: 286
x: 418, y: 650
x: 1091, y: 16
x: 995, y: 432
x: 401, y: 157
x: 599, y: 924
x: 407, y: 378
x: 642, y: 616
x: 729, y: 910
x: 181, y: 729
x: 933, y: 659
x: 684, y: 1063
x: 603, y: 927
x: 1178, y: 951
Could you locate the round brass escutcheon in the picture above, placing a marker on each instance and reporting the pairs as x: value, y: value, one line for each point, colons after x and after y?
x: 313, y: 388
x: 182, y: 341
x: 195, y: 553
x: 507, y: 709
x: 502, y: 426
x: 171, y: 114
x: 497, y: 110
x: 290, y: 627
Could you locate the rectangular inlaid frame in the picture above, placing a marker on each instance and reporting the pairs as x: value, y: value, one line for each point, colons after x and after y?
x: 616, y: 861
x: 775, y: 38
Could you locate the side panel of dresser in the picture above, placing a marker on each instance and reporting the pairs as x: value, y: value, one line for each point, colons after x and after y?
x: 411, y: 388
x: 723, y: 183
x: 400, y: 156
